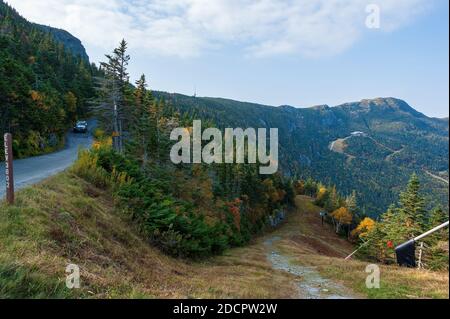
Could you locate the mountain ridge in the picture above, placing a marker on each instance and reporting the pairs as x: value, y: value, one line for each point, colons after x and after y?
x: 418, y: 143
x: 72, y: 43
x: 374, y: 102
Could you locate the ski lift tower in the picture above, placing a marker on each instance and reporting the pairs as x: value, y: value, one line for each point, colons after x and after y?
x: 406, y: 252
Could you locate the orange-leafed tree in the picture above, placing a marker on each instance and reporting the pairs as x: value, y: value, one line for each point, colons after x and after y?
x: 234, y: 208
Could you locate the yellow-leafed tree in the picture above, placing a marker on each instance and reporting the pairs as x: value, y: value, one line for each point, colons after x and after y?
x: 321, y: 192
x: 299, y: 187
x: 342, y: 216
x: 364, y: 228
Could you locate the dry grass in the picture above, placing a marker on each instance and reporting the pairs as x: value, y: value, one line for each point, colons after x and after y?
x: 313, y: 245
x: 396, y: 282
x: 66, y: 220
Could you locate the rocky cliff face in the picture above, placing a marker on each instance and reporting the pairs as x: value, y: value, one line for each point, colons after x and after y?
x: 71, y: 43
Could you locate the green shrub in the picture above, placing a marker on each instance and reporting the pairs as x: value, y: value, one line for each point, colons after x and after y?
x: 169, y: 223
x: 175, y: 226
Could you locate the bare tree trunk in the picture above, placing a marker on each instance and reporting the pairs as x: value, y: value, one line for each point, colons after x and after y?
x: 338, y: 227
x: 116, y: 143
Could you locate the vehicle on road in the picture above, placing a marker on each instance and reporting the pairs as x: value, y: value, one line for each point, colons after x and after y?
x: 81, y: 127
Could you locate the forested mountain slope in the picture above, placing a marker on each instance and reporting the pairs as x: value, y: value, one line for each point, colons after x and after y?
x: 70, y: 42
x: 384, y: 142
x: 44, y: 86
x: 372, y: 146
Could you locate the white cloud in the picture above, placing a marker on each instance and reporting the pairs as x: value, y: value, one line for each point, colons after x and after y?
x: 187, y: 28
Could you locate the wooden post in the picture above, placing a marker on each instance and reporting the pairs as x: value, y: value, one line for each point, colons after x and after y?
x: 9, y: 169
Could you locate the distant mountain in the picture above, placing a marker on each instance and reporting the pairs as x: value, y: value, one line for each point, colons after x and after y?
x: 71, y: 43
x: 371, y: 146
x: 382, y: 142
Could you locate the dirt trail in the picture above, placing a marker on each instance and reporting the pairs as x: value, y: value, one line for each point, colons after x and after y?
x: 391, y: 156
x: 293, y: 246
x: 339, y: 146
x: 310, y: 284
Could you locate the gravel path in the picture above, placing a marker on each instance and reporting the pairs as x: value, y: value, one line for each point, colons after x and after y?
x: 310, y: 284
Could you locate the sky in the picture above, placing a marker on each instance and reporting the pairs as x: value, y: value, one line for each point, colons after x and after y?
x: 275, y: 52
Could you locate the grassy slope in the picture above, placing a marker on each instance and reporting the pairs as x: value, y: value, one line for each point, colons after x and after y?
x: 65, y: 220
x: 320, y: 249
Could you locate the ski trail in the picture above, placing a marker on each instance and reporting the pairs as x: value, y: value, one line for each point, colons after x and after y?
x: 310, y: 284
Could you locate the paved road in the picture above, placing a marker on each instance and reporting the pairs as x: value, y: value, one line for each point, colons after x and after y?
x: 35, y: 169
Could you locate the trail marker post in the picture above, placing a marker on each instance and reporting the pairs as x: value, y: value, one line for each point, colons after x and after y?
x: 9, y: 169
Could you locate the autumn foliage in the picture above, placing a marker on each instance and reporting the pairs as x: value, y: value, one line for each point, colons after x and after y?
x: 364, y: 228
x: 342, y: 216
x: 234, y: 209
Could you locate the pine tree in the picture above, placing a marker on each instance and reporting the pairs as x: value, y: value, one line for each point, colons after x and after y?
x: 412, y: 208
x: 351, y: 203
x: 310, y: 187
x: 156, y: 111
x: 394, y: 226
x: 401, y: 223
x: 388, y: 232
x: 116, y: 90
x: 332, y: 201
x: 438, y: 217
x: 140, y: 123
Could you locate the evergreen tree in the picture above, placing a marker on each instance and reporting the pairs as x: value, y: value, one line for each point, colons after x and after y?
x: 351, y: 203
x: 141, y: 132
x: 115, y: 92
x: 310, y: 187
x: 332, y: 201
x: 438, y: 217
x: 412, y: 208
x: 405, y: 222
